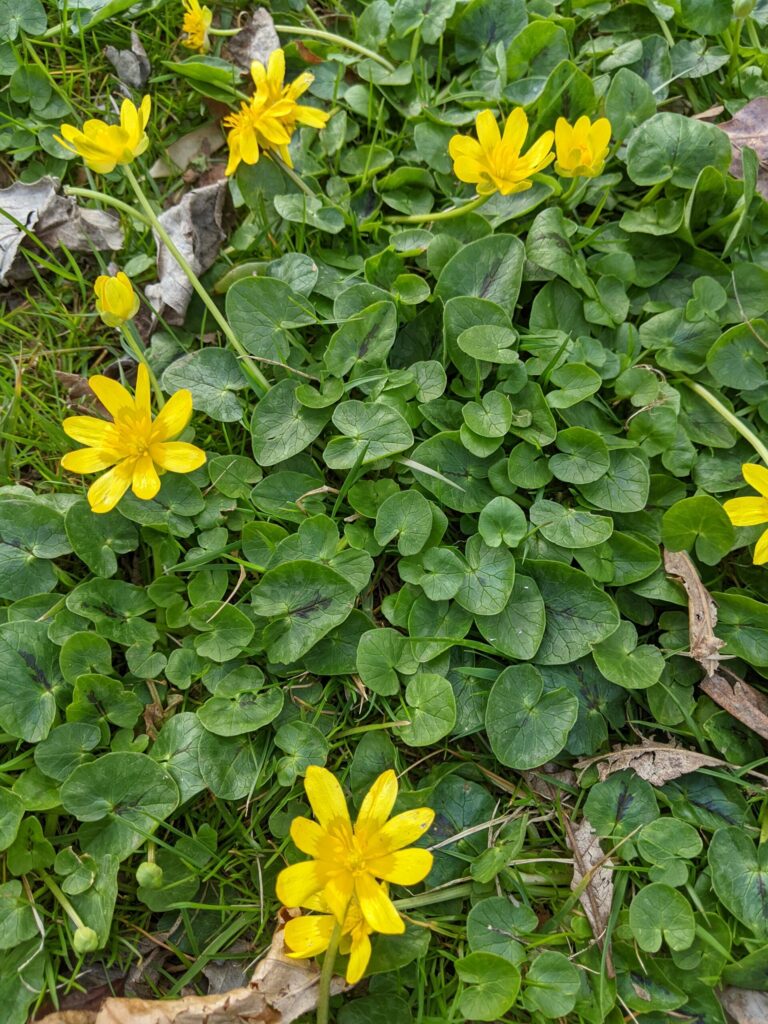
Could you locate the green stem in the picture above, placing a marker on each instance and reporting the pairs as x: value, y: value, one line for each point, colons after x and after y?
x: 132, y: 342
x: 651, y: 194
x: 331, y: 37
x: 255, y: 374
x: 428, y: 218
x: 102, y: 197
x: 290, y: 173
x: 326, y: 976
x: 62, y: 900
x: 730, y: 418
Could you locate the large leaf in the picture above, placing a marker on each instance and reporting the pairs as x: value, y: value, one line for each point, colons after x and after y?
x: 489, y: 268
x: 281, y: 426
x: 527, y: 726
x: 29, y: 680
x: 740, y: 877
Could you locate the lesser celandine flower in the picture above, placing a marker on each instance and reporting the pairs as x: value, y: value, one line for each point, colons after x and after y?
x: 197, y: 21
x: 752, y: 511
x: 133, y: 444
x: 116, y: 301
x: 103, y: 146
x: 496, y: 163
x: 581, y: 148
x: 268, y: 120
x: 310, y: 935
x: 351, y: 861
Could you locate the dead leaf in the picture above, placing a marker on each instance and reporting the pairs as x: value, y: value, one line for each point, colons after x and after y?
x: 702, y: 612
x: 132, y: 66
x: 256, y: 40
x: 279, y: 991
x: 54, y: 219
x: 194, y: 225
x: 745, y: 1006
x: 739, y: 699
x: 750, y: 128
x: 592, y: 879
x: 537, y: 781
x: 657, y: 763
x: 202, y: 142
x: 70, y: 1017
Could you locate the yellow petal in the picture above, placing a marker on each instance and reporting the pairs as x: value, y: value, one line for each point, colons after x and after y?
x: 144, y: 111
x: 327, y: 801
x: 177, y: 456
x: 760, y: 556
x: 89, y: 430
x: 104, y: 493
x: 464, y: 146
x: 173, y: 417
x: 400, y: 831
x: 600, y: 135
x: 404, y: 867
x: 747, y: 511
x: 89, y: 460
x: 308, y: 836
x: 311, y: 116
x: 377, y: 805
x: 276, y: 70
x: 539, y: 155
x: 295, y: 884
x: 143, y: 401
x: 377, y: 908
x: 515, y: 131
x: 338, y: 893
x: 359, y: 955
x: 146, y: 482
x: 757, y: 477
x: 487, y: 130
x: 111, y: 393
x: 308, y: 935
x: 563, y: 136
x: 468, y: 169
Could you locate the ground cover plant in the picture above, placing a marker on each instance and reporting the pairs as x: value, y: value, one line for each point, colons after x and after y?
x: 384, y: 404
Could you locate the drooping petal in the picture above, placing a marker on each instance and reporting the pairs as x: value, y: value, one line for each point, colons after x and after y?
x: 747, y: 511
x: 338, y: 893
x: 359, y: 954
x: 377, y: 805
x: 400, y: 831
x: 111, y: 393
x: 311, y: 116
x: 404, y: 867
x: 377, y: 908
x: 173, y: 417
x: 327, y: 800
x: 146, y: 482
x: 487, y: 130
x: 295, y: 884
x: 90, y: 431
x: 104, y: 493
x: 308, y: 935
x: 757, y: 477
x: 761, y: 550
x: 89, y: 460
x: 177, y: 456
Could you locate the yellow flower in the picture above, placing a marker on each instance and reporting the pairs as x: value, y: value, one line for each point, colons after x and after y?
x: 309, y: 935
x: 116, y: 300
x: 752, y: 511
x: 268, y: 120
x: 103, y: 145
x: 581, y: 148
x: 495, y: 162
x: 349, y: 860
x: 197, y: 21
x: 133, y: 444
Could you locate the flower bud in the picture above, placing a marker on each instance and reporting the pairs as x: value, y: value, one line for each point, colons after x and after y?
x: 85, y: 940
x: 149, y: 875
x: 116, y: 301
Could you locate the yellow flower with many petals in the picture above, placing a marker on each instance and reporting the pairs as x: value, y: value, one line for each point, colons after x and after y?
x: 133, y: 444
x: 116, y: 301
x: 350, y: 861
x: 752, y: 511
x: 103, y: 146
x: 197, y: 21
x: 496, y: 163
x: 310, y: 935
x: 268, y: 120
x: 581, y: 148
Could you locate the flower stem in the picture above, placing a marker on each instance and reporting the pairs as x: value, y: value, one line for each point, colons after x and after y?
x: 427, y: 218
x: 326, y: 976
x: 331, y: 37
x: 252, y: 371
x: 731, y: 419
x: 102, y: 197
x: 290, y: 173
x: 141, y: 356
x: 61, y: 899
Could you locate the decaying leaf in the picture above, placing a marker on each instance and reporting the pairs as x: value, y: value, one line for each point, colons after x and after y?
x: 280, y: 990
x: 53, y: 218
x: 744, y: 1006
x: 132, y: 66
x: 255, y: 41
x: 657, y: 763
x: 202, y: 142
x: 739, y: 699
x: 750, y: 128
x: 194, y: 225
x: 592, y: 879
x: 702, y: 611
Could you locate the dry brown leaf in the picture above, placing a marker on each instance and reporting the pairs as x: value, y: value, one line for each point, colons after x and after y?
x: 69, y: 1017
x: 739, y: 699
x: 591, y: 866
x: 256, y: 40
x: 745, y: 1006
x: 203, y: 141
x: 702, y: 611
x: 131, y: 66
x: 280, y: 990
x: 657, y: 763
x: 195, y: 227
x: 750, y: 128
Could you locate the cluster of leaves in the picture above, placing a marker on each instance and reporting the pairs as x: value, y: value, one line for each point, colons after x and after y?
x: 440, y: 531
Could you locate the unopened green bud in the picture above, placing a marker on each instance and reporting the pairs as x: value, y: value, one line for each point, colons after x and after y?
x: 149, y: 875
x: 85, y: 940
x: 743, y: 8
